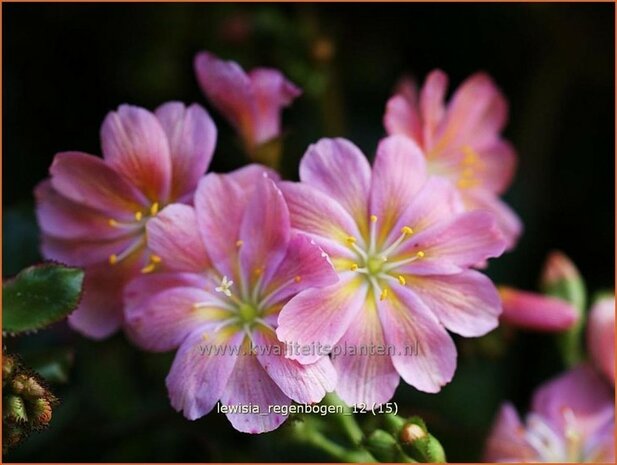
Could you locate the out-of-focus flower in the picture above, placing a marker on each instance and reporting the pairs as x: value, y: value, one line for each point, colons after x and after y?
x: 93, y: 212
x: 571, y: 420
x: 252, y: 102
x: 537, y: 312
x: 560, y: 278
x: 601, y: 336
x: 461, y: 140
x: 404, y: 252
x: 236, y: 264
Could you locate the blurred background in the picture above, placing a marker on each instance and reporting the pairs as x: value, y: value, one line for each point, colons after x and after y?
x: 66, y: 65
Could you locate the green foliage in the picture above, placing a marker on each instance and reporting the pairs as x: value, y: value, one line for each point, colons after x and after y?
x: 39, y: 296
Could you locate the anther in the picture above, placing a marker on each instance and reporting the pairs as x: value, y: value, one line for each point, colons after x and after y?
x: 138, y: 216
x: 350, y: 240
x: 406, y: 230
x: 420, y: 254
x: 258, y: 271
x: 373, y: 218
x: 154, y: 208
x: 298, y: 278
x: 155, y: 259
x: 401, y: 279
x: 384, y: 294
x: 354, y: 267
x: 239, y: 243
x: 148, y: 268
x: 113, y: 223
x: 113, y: 259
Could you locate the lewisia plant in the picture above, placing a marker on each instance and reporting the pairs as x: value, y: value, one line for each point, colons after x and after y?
x: 461, y: 139
x: 234, y: 265
x: 404, y: 252
x: 93, y: 212
x: 572, y: 419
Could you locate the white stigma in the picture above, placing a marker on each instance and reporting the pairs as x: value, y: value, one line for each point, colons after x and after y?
x: 224, y: 287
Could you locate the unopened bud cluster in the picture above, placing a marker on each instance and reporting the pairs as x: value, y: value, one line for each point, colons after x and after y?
x: 27, y: 403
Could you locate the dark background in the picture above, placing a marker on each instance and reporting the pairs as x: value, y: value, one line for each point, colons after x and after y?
x: 66, y: 65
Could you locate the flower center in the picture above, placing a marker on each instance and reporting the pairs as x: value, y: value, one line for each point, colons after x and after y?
x: 247, y: 313
x: 136, y: 226
x: 380, y: 264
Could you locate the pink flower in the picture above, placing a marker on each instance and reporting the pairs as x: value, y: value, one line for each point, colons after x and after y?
x: 601, y: 336
x: 536, y: 311
x: 403, y: 252
x: 461, y: 140
x: 235, y: 263
x: 571, y: 420
x: 252, y: 102
x: 93, y: 212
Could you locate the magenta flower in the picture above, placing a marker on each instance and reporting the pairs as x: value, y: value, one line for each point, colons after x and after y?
x: 93, y: 212
x: 235, y: 265
x: 536, y: 312
x: 601, y: 336
x: 571, y: 420
x: 461, y: 140
x: 403, y: 252
x: 252, y: 102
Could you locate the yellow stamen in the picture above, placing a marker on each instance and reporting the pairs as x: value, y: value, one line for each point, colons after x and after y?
x: 113, y: 223
x: 148, y: 268
x: 373, y: 218
x: 401, y: 279
x: 138, y: 216
x: 155, y: 259
x: 298, y: 278
x: 420, y: 254
x: 113, y: 259
x: 353, y: 267
x: 258, y: 271
x: 406, y: 230
x: 239, y: 243
x: 154, y: 208
x: 470, y: 155
x: 351, y: 240
x: 384, y: 294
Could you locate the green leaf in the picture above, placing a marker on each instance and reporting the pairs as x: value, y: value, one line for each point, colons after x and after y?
x: 39, y: 296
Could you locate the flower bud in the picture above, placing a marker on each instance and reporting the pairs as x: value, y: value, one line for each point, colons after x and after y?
x: 8, y: 367
x: 27, y: 386
x: 560, y: 278
x: 383, y: 446
x: 15, y: 409
x: 41, y: 412
x: 419, y: 444
x: 601, y: 336
x: 536, y: 312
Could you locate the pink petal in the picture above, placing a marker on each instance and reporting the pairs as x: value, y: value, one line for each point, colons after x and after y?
x: 580, y: 390
x: 497, y: 164
x: 402, y: 117
x: 272, y: 92
x: 198, y: 379
x: 174, y: 236
x: 506, y: 441
x: 338, y: 168
x: 424, y: 353
x: 463, y: 241
x: 135, y: 144
x: 264, y: 232
x: 536, y: 311
x: 192, y: 137
x: 164, y: 320
x: 364, y: 377
x: 399, y: 172
x: 88, y: 180
x: 228, y: 89
x: 323, y: 219
x: 305, y: 265
x: 306, y: 384
x: 507, y: 220
x: 100, y: 310
x: 466, y: 303
x: 64, y: 219
x: 248, y: 175
x: 601, y: 336
x: 248, y: 385
x: 91, y: 252
x: 320, y: 316
x: 436, y: 201
x: 432, y: 106
x: 600, y: 448
x: 219, y: 207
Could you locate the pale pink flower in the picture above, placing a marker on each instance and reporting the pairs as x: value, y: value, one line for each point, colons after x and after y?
x: 571, y: 420
x: 601, y: 336
x: 93, y: 212
x: 252, y: 102
x: 235, y: 263
x: 461, y: 139
x: 530, y: 310
x: 403, y: 252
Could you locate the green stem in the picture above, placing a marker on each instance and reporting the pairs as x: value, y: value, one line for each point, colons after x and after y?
x: 346, y: 419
